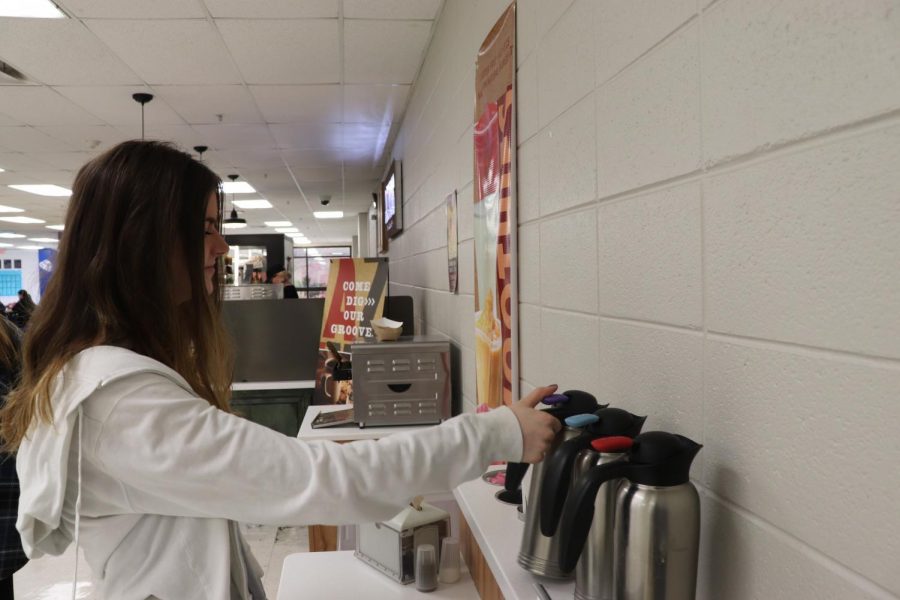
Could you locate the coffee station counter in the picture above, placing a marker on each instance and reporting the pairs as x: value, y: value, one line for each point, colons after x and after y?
x: 490, y: 535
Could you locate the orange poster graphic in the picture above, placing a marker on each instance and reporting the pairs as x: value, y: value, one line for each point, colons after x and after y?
x: 496, y: 368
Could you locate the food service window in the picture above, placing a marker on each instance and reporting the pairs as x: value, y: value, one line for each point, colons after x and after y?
x: 311, y: 266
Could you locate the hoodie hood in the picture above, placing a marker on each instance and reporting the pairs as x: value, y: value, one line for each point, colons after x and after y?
x: 42, y: 459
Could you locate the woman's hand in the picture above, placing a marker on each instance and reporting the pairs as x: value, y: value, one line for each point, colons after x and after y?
x: 538, y: 429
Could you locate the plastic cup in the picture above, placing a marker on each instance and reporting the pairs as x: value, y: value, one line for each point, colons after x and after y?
x: 449, y: 560
x: 426, y: 568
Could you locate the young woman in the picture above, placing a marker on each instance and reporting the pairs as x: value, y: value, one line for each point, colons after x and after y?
x: 125, y: 440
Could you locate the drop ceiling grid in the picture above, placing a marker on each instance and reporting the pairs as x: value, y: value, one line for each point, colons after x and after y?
x: 313, y: 127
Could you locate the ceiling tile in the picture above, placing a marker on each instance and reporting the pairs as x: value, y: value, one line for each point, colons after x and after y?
x: 246, y: 159
x: 384, y: 51
x: 280, y: 51
x: 7, y: 121
x: 115, y: 106
x: 273, y: 9
x: 69, y: 161
x: 235, y: 136
x: 68, y: 53
x: 296, y: 103
x: 170, y: 52
x: 374, y: 103
x: 391, y: 9
x: 29, y: 139
x: 34, y: 105
x: 182, y: 136
x: 312, y: 159
x: 134, y: 9
x: 16, y: 161
x: 207, y: 103
x: 306, y: 135
x: 85, y: 137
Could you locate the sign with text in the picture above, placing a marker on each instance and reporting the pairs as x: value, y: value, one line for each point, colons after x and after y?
x: 355, y: 295
x: 494, y: 221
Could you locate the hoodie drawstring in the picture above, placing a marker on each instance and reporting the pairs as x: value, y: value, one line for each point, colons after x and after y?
x: 77, y: 510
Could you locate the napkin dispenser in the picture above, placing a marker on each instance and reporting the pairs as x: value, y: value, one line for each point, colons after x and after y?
x: 403, y: 382
x: 390, y: 546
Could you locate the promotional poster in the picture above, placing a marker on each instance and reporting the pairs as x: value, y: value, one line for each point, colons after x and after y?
x: 355, y: 295
x: 496, y: 368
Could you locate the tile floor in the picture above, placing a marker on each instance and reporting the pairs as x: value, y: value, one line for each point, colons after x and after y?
x: 50, y: 577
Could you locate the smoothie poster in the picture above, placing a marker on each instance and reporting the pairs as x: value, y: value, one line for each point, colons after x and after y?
x: 355, y: 295
x: 452, y: 243
x: 496, y: 368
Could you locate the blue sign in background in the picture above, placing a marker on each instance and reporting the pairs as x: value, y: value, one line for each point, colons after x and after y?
x: 46, y: 266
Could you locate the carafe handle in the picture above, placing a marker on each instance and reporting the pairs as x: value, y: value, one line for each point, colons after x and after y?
x: 578, y: 512
x: 555, y: 485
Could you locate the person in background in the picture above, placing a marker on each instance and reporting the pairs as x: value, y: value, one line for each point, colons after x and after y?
x: 12, y: 557
x: 20, y: 312
x: 126, y: 442
x: 277, y: 274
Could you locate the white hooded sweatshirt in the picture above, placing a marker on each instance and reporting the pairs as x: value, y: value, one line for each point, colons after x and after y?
x: 164, y: 475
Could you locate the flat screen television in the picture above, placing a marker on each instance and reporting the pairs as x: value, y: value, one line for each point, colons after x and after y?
x: 392, y: 199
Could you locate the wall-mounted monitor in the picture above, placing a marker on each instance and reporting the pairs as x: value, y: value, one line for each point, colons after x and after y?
x: 392, y: 199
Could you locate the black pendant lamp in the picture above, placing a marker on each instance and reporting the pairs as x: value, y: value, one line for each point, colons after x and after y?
x: 143, y: 98
x: 233, y: 221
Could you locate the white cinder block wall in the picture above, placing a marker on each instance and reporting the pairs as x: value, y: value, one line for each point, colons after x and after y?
x: 709, y: 232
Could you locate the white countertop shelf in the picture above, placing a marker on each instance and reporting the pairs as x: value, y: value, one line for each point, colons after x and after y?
x: 342, y: 576
x: 345, y: 433
x: 252, y: 386
x: 498, y: 531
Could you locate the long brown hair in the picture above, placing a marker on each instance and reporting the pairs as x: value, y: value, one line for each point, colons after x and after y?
x: 135, y: 210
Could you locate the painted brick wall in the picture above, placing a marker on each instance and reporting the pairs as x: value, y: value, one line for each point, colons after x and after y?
x: 709, y: 232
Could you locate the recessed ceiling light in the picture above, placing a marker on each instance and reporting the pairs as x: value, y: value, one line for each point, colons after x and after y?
x: 5, y: 245
x: 47, y: 240
x: 260, y: 203
x: 43, y: 189
x: 329, y: 214
x: 234, y: 225
x: 278, y: 224
x: 36, y: 9
x: 10, y: 209
x: 2, y: 170
x: 21, y: 220
x: 56, y: 227
x: 11, y: 235
x: 286, y: 229
x: 31, y: 247
x: 237, y: 187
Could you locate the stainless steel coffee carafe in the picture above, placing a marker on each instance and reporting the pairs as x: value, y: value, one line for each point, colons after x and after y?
x: 538, y: 553
x: 656, y: 536
x: 601, y: 442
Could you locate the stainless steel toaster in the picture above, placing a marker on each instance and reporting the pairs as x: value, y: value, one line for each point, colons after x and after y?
x: 404, y: 382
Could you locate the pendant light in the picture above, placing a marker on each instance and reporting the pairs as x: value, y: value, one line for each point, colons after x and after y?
x: 200, y: 150
x: 234, y: 222
x: 143, y: 98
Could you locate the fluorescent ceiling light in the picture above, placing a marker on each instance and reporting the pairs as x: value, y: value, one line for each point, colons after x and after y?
x: 43, y: 190
x: 297, y: 236
x: 31, y: 247
x: 56, y: 227
x: 36, y: 9
x: 5, y: 245
x: 234, y: 225
x: 329, y: 214
x: 48, y: 240
x: 11, y: 235
x: 237, y: 187
x: 21, y: 220
x: 2, y: 170
x: 260, y: 203
x: 278, y: 224
x: 10, y: 209
x: 287, y: 229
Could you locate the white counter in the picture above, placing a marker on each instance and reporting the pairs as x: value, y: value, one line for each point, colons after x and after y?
x: 252, y: 386
x: 341, y: 576
x: 345, y: 433
x: 498, y: 531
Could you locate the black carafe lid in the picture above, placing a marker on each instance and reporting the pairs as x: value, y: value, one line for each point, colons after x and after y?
x: 558, y: 470
x: 655, y: 458
x: 577, y: 402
